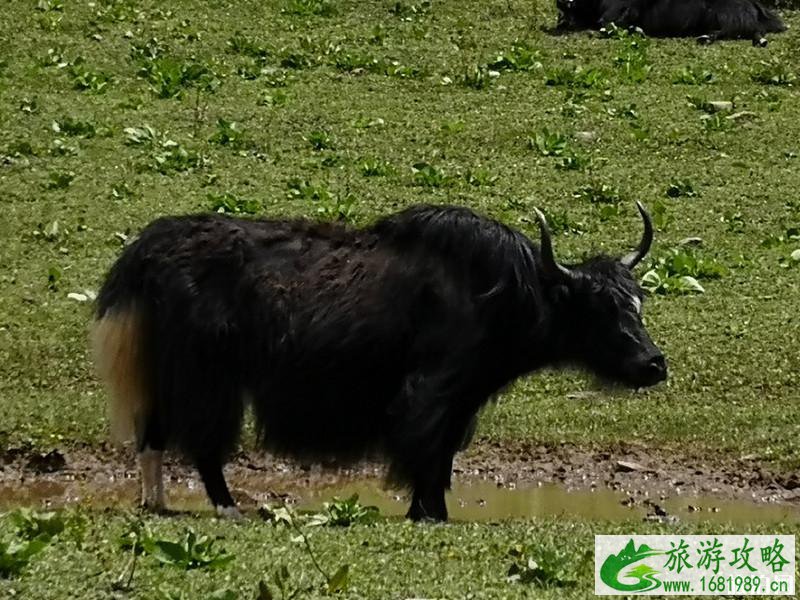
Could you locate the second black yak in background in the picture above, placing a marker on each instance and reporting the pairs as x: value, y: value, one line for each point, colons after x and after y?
x: 708, y: 20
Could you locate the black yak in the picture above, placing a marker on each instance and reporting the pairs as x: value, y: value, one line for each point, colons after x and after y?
x: 708, y: 20
x: 381, y: 341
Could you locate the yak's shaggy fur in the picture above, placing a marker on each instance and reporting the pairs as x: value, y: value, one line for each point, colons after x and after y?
x: 348, y: 342
x: 711, y: 19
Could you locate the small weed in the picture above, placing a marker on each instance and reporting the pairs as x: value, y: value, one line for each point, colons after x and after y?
x: 480, y: 177
x: 632, y: 61
x: 305, y: 8
x: 428, y: 175
x: 549, y: 143
x: 230, y: 203
x: 15, y: 556
x: 692, y: 76
x: 681, y: 188
x: 734, y: 221
x: 521, y: 56
x: 407, y: 11
x: 334, y: 207
x: 572, y: 161
x: 375, y: 167
x: 543, y: 567
x: 169, y: 77
x: 576, y: 77
x: 716, y: 122
x: 662, y: 218
x: 74, y: 127
x: 678, y: 271
x: 272, y: 98
x: 598, y: 193
x: 59, y: 180
x: 229, y: 133
x: 239, y: 43
x: 477, y: 77
x: 53, y: 278
x: 774, y: 72
x: 85, y: 79
x: 344, y: 513
x: 164, y: 154
x: 60, y: 147
x: 320, y: 140
x: 305, y: 190
x: 560, y: 222
x: 188, y: 553
x: 148, y: 50
x: 790, y: 261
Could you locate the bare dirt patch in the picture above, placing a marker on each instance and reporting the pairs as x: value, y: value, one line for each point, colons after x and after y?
x: 643, y: 479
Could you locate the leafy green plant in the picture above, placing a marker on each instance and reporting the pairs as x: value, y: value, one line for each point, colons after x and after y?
x: 632, y: 61
x: 542, y: 567
x: 480, y: 177
x: 148, y: 50
x: 305, y: 8
x: 549, y: 143
x: 229, y: 133
x: 272, y: 98
x: 521, y: 56
x: 576, y: 77
x: 74, y: 127
x: 681, y: 188
x: 164, y: 154
x: 428, y: 175
x: 239, y: 43
x: 344, y: 513
x: 85, y: 79
x: 598, y: 193
x: 59, y: 180
x: 689, y: 75
x: 15, y: 555
x: 232, y: 204
x: 560, y: 222
x: 477, y: 77
x: 774, y: 71
x: 31, y: 524
x: 678, y: 271
x: 375, y: 167
x: 190, y: 552
x: 169, y: 77
x: 790, y: 261
x: 320, y: 140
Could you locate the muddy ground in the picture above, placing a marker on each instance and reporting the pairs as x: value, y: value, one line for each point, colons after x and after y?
x: 643, y: 477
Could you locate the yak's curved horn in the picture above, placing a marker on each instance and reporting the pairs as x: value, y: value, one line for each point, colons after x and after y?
x: 635, y: 257
x: 551, y: 268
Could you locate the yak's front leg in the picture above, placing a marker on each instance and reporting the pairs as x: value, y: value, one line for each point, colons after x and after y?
x: 427, y: 501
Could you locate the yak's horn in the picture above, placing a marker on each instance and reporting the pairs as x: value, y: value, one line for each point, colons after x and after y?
x: 551, y: 268
x: 635, y: 257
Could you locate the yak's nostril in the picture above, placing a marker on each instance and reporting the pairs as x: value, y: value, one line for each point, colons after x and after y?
x: 658, y: 366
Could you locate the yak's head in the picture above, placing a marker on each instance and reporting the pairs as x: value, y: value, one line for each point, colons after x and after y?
x: 598, y: 313
x: 577, y: 14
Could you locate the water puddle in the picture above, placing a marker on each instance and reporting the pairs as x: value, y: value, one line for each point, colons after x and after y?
x: 475, y: 500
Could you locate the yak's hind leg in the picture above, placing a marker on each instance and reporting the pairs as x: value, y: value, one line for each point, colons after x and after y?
x: 206, y: 409
x: 151, y: 459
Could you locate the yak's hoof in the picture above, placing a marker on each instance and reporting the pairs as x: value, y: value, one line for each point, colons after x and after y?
x: 229, y: 512
x: 760, y: 42
x: 158, y: 508
x: 705, y: 40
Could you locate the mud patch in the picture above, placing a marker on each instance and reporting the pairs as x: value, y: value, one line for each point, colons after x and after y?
x: 490, y: 483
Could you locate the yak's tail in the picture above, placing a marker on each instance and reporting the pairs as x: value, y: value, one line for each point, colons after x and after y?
x: 117, y: 340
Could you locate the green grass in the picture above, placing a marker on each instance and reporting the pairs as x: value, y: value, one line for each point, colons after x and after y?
x: 391, y: 559
x: 116, y: 112
x: 190, y: 82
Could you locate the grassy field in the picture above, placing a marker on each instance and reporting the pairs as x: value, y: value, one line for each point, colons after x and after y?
x: 115, y: 112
